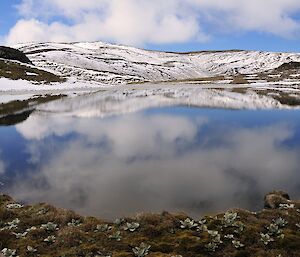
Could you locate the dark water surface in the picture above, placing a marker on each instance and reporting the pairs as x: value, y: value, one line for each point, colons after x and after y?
x: 175, y: 159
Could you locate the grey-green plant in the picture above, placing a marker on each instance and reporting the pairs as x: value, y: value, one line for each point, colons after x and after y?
x: 202, y: 222
x: 142, y: 250
x: 281, y: 236
x: 31, y: 249
x: 14, y: 206
x: 215, y: 236
x: 280, y: 222
x: 211, y: 247
x: 116, y: 236
x: 202, y: 228
x: 50, y: 226
x: 240, y: 227
x: 188, y: 224
x: 103, y: 228
x: 274, y: 230
x: 74, y: 223
x: 266, y: 238
x: 237, y: 244
x: 50, y: 239
x: 230, y: 218
x: 31, y: 229
x: 42, y: 211
x: 286, y: 206
x: 119, y: 222
x: 133, y: 226
x: 20, y: 235
x: 229, y: 236
x: 9, y: 252
x: 11, y: 225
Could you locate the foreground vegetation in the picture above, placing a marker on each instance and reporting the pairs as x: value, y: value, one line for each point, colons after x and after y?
x: 43, y: 230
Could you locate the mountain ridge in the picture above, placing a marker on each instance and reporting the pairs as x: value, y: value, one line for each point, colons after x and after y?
x: 115, y: 64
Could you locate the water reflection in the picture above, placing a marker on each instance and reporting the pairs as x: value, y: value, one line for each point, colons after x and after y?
x: 179, y: 160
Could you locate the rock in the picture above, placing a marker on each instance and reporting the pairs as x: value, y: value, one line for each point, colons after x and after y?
x: 13, y: 54
x: 289, y: 66
x: 275, y: 198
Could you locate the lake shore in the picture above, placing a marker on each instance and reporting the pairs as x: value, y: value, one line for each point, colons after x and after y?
x: 43, y: 230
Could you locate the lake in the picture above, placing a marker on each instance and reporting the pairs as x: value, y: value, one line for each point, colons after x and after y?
x: 176, y: 159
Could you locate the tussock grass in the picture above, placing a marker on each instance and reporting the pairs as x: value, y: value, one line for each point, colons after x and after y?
x: 76, y: 235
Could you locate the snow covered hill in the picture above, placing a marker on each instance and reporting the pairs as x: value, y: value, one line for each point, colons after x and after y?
x: 112, y: 64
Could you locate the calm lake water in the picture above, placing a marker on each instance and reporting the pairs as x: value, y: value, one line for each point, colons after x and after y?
x: 174, y: 159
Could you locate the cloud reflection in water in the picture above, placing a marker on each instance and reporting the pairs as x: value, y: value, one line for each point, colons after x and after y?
x: 123, y: 165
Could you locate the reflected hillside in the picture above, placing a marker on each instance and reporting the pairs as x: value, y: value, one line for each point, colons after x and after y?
x: 135, y: 98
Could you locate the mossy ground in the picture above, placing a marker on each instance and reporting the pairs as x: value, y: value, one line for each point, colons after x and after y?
x: 78, y: 236
x: 14, y: 70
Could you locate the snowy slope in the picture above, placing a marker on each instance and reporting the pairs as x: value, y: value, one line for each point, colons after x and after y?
x: 113, y: 64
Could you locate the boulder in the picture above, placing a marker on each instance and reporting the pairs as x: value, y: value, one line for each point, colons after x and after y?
x: 275, y: 198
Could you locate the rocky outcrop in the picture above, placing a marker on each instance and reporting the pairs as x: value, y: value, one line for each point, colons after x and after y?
x: 274, y: 199
x: 13, y: 54
x: 289, y: 66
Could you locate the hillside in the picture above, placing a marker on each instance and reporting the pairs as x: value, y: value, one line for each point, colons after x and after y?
x: 13, y: 54
x: 114, y: 64
x: 224, y: 79
x: 15, y: 65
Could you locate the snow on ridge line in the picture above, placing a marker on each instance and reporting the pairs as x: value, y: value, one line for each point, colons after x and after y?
x: 115, y: 64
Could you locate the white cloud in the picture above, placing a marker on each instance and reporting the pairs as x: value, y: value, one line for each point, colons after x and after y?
x: 128, y: 21
x: 271, y: 16
x: 138, y: 22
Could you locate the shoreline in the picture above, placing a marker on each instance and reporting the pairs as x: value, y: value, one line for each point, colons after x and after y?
x: 43, y: 230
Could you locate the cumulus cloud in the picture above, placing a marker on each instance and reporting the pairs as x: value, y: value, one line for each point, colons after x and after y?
x: 137, y: 22
x: 127, y: 21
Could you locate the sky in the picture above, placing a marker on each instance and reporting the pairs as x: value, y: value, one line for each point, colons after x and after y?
x: 168, y: 25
